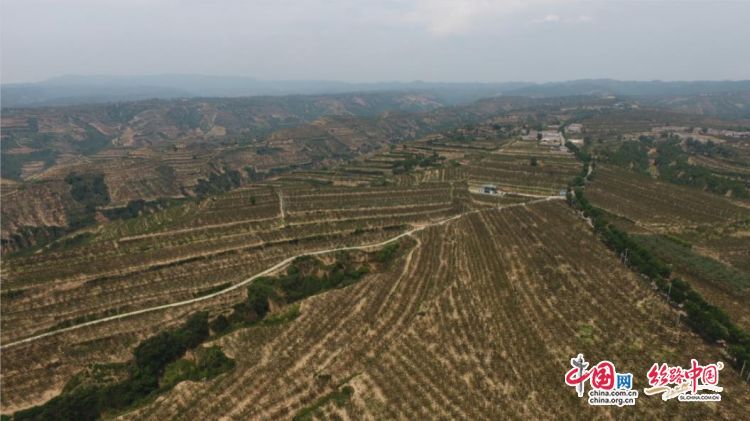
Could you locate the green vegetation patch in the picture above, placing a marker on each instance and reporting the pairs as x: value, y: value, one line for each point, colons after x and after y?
x: 673, y: 163
x: 387, y: 253
x: 94, y: 142
x: 268, y: 150
x: 710, y: 149
x: 674, y: 167
x: 159, y: 362
x: 632, y: 155
x: 305, y: 277
x: 28, y: 239
x: 291, y: 313
x: 411, y: 161
x: 686, y: 260
x: 709, y: 321
x: 12, y: 293
x: 90, y: 191
x: 586, y: 333
x: 153, y: 370
x: 218, y: 183
x: 11, y: 164
x: 138, y: 207
x: 210, y: 363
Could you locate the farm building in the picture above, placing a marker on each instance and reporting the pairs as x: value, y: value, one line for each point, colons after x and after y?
x: 552, y: 138
x: 574, y: 128
x: 531, y: 135
x: 489, y: 189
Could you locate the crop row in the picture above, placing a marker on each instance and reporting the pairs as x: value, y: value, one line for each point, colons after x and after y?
x: 644, y: 200
x: 483, y: 311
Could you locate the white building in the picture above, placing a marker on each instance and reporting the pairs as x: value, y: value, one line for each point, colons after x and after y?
x: 574, y: 128
x: 552, y: 138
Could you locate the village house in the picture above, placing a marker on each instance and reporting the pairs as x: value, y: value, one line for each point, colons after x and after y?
x: 574, y: 128
x: 552, y: 138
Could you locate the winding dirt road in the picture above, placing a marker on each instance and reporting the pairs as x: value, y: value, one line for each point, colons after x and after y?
x: 269, y: 271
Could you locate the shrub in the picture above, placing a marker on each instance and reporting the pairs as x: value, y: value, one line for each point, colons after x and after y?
x: 151, y: 357
x: 194, y: 331
x: 258, y: 294
x: 153, y: 354
x: 157, y: 351
x: 81, y: 405
x: 212, y: 362
x: 386, y: 253
x: 218, y: 183
x: 220, y: 324
x: 88, y: 189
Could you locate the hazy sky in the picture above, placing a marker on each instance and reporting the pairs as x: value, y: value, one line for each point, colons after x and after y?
x: 367, y: 40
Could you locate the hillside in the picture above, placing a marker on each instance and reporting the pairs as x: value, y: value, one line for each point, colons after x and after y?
x: 430, y: 259
x: 155, y: 150
x: 149, y: 153
x: 473, y: 327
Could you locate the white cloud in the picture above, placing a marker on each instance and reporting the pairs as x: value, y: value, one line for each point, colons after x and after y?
x: 553, y: 18
x: 548, y: 19
x: 370, y: 40
x: 454, y: 17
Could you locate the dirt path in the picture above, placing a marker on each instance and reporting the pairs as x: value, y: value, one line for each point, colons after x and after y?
x: 193, y: 229
x: 281, y: 206
x: 269, y: 271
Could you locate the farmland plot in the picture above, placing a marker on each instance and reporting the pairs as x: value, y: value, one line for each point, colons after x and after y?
x: 179, y: 254
x: 722, y: 284
x: 658, y: 204
x: 477, y: 321
x: 104, y: 278
x: 524, y: 167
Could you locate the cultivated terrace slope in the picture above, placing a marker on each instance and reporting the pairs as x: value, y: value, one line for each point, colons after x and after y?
x: 425, y: 269
x: 475, y: 322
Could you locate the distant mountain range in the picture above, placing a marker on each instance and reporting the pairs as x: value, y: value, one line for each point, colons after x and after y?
x: 68, y: 90
x: 630, y: 88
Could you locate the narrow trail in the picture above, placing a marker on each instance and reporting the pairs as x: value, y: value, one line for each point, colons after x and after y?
x: 269, y: 271
x: 281, y: 206
x: 194, y: 229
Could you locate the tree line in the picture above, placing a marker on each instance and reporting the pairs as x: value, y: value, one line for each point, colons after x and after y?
x: 709, y: 321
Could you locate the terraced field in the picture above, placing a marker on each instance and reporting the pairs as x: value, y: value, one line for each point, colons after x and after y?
x: 475, y: 315
x: 514, y: 166
x: 150, y: 150
x: 722, y: 284
x: 40, y: 204
x: 511, y: 169
x: 478, y: 320
x: 648, y: 202
x: 180, y: 253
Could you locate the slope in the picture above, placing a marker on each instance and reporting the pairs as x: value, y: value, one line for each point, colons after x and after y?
x: 477, y: 321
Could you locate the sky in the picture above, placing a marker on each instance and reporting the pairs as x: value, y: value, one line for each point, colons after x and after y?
x: 371, y: 41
